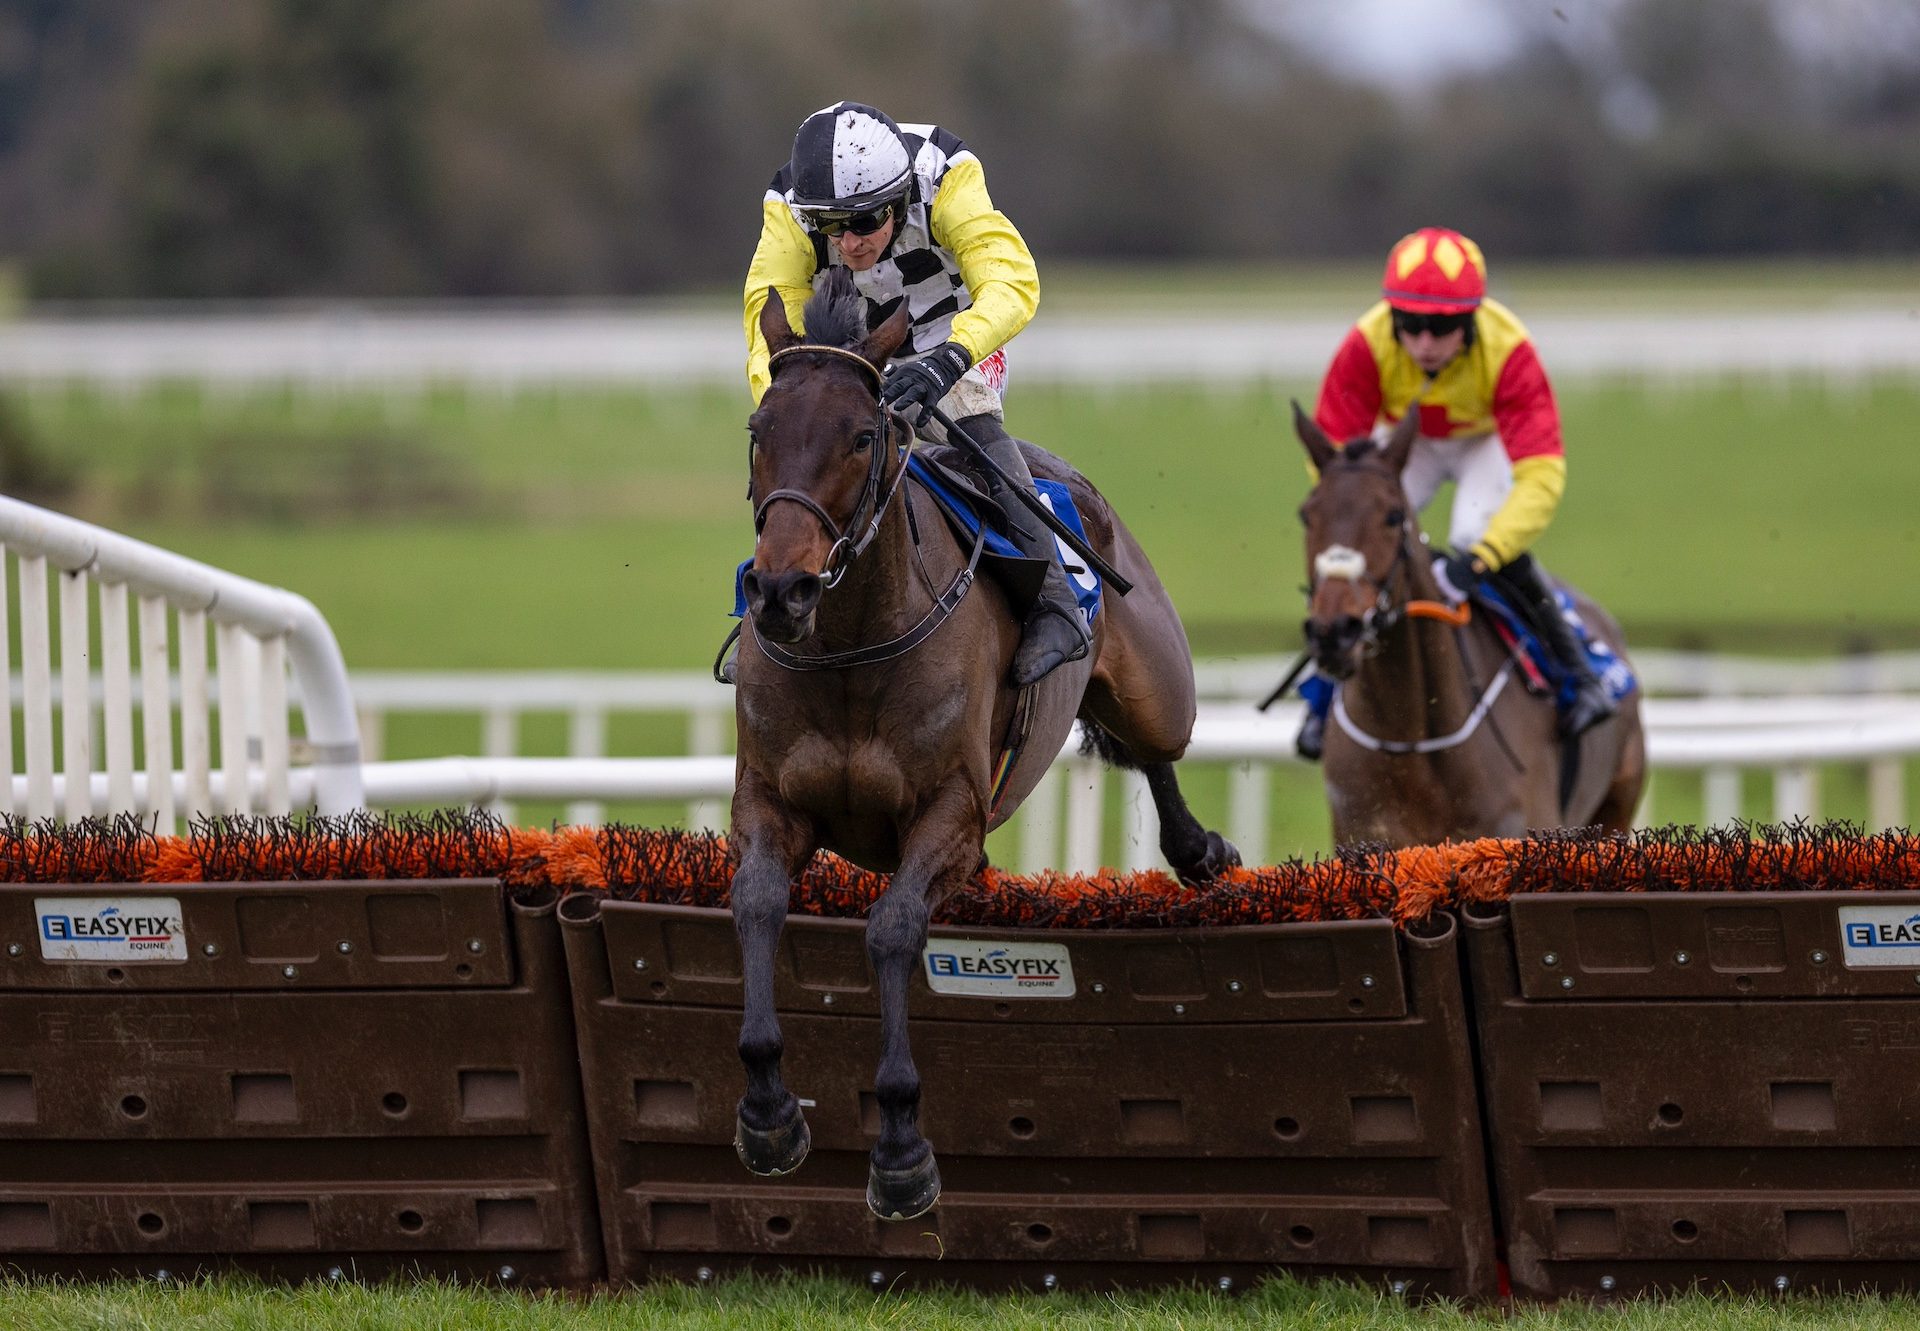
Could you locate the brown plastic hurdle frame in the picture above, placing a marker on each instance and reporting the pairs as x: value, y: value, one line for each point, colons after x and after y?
x: 1698, y: 1090
x: 1209, y: 1105
x: 349, y: 1079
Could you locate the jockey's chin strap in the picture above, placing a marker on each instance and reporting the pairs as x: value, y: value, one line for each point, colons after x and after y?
x: 847, y: 545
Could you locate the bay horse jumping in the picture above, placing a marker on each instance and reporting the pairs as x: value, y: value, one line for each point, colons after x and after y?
x: 873, y: 705
x: 1434, y: 739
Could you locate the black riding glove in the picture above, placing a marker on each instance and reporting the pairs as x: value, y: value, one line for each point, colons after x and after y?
x: 916, y: 385
x: 1459, y: 575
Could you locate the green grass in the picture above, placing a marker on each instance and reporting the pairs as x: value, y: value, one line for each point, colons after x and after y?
x: 599, y: 529
x: 798, y: 1305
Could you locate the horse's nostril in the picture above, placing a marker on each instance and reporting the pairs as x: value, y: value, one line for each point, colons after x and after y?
x: 750, y: 585
x: 802, y: 595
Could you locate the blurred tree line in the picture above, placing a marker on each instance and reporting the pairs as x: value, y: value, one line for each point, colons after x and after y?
x: 247, y: 148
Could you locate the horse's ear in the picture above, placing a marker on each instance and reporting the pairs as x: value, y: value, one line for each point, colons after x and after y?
x: 883, y: 341
x: 773, y: 323
x: 1320, y: 448
x: 1400, y: 442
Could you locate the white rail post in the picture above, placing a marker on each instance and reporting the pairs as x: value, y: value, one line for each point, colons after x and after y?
x: 1721, y: 789
x: 1086, y: 792
x: 1139, y: 823
x: 196, y: 715
x: 706, y: 737
x: 1249, y: 798
x: 275, y: 758
x: 231, y: 665
x: 373, y: 732
x: 6, y: 704
x: 1887, y: 793
x: 116, y: 678
x: 156, y: 711
x: 1796, y: 792
x: 500, y: 738
x: 1040, y: 822
x: 587, y: 738
x: 36, y: 676
x: 76, y: 697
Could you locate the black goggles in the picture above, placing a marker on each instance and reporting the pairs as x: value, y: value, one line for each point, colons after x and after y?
x: 861, y: 224
x: 1438, y: 324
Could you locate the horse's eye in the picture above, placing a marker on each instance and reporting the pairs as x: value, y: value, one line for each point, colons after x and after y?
x: 1303, y: 515
x: 863, y: 441
x: 1396, y: 516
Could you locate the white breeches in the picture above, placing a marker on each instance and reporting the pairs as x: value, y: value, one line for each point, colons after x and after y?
x: 1481, y: 474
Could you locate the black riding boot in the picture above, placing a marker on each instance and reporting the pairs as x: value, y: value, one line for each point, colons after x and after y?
x: 1591, y: 703
x: 1054, y: 633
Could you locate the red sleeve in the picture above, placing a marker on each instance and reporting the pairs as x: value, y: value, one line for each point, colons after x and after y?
x: 1523, y: 408
x: 1350, y: 394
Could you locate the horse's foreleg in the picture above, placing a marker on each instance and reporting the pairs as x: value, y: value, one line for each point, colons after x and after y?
x: 941, y: 849
x: 770, y: 1133
x: 1196, y: 854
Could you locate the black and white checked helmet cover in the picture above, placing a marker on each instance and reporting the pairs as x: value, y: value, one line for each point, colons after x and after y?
x: 849, y: 157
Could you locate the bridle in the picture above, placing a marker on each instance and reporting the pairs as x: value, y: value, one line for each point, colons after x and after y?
x: 846, y: 546
x: 1386, y: 613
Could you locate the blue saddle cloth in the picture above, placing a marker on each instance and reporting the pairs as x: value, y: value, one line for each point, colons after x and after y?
x: 1612, y: 669
x: 1086, y: 584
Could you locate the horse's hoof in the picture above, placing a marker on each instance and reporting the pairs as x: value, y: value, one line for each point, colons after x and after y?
x: 903, y: 1194
x: 1221, y: 855
x: 777, y: 1151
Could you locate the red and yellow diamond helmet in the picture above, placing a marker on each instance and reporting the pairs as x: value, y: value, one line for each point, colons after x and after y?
x: 1435, y: 271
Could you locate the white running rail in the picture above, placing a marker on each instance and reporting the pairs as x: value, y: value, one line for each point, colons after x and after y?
x: 258, y: 632
x: 1778, y: 720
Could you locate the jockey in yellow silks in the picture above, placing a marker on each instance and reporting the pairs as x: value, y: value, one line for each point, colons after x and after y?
x: 1487, y: 422
x: 904, y: 208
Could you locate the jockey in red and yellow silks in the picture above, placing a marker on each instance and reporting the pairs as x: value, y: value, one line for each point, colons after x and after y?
x: 1487, y: 422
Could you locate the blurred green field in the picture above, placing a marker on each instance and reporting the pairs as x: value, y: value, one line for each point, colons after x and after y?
x: 599, y: 529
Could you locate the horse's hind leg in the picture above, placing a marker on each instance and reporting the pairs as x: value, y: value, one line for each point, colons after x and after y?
x: 940, y: 850
x: 1196, y: 854
x: 1139, y: 708
x: 770, y: 1133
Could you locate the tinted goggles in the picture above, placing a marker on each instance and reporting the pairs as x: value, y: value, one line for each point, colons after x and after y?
x: 1438, y: 324
x: 860, y: 224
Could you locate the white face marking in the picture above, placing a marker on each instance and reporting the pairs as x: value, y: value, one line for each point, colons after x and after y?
x: 1340, y: 562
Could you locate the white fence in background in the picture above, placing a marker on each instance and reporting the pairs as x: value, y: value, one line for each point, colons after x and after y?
x: 515, y: 347
x: 258, y: 631
x: 1779, y: 719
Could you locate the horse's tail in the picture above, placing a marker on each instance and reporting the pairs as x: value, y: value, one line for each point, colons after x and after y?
x: 1096, y: 741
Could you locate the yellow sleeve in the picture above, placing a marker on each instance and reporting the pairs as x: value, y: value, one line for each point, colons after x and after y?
x: 1538, y: 483
x: 784, y: 260
x: 994, y: 261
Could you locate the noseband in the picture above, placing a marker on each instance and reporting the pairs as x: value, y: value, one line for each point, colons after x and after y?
x: 846, y: 546
x: 1385, y: 613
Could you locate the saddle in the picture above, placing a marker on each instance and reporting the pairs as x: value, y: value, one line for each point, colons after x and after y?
x: 961, y: 497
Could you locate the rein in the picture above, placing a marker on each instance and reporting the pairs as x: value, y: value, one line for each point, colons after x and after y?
x: 846, y: 548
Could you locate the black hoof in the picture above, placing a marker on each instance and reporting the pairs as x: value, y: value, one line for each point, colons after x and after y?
x: 1221, y: 855
x: 903, y: 1194
x: 775, y: 1152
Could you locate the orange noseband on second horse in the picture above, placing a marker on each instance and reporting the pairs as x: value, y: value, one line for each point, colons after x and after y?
x: 1459, y: 616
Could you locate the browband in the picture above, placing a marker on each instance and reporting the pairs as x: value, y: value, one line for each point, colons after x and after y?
x: 841, y: 352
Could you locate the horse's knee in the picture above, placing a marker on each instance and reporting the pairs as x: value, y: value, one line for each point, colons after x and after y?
x: 896, y: 924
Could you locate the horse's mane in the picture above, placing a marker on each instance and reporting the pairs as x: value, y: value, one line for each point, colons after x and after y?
x: 835, y: 314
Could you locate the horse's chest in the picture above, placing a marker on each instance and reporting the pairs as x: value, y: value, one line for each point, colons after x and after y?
x: 847, y: 759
